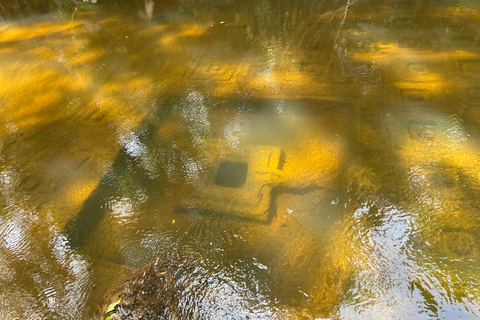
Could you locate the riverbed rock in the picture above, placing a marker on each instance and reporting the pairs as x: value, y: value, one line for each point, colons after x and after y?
x: 177, y: 289
x: 153, y: 292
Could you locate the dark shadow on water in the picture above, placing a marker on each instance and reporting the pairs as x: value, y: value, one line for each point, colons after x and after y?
x: 271, y: 212
x: 86, y: 222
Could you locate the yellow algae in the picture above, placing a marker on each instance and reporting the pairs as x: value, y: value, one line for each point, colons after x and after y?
x: 432, y: 90
x: 105, y: 105
x: 79, y: 81
x: 8, y: 51
x: 286, y: 84
x: 466, y: 157
x: 114, y: 110
x: 70, y: 198
x: 461, y: 12
x: 49, y: 98
x: 311, y: 162
x: 79, y: 191
x: 192, y: 30
x: 385, y: 53
x: 168, y: 41
x: 427, y: 77
x: 90, y: 56
x: 109, y: 20
x: 33, y: 77
x: 445, y: 173
x: 295, y: 76
x: 38, y: 108
x: 37, y: 30
x: 139, y: 86
x: 459, y: 154
x: 173, y: 38
x: 153, y: 29
x: 45, y: 53
x: 333, y: 279
x: 169, y: 129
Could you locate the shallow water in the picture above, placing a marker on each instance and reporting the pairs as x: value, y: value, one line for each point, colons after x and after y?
x: 312, y: 159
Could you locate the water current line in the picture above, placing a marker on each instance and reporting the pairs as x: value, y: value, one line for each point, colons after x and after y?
x: 332, y: 16
x: 335, y: 42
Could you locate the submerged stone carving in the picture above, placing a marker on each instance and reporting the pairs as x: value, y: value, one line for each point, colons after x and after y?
x: 240, y: 184
x: 458, y: 244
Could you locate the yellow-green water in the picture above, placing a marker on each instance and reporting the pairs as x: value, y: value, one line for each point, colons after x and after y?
x: 357, y: 121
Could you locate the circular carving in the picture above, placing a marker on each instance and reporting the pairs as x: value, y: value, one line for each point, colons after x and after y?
x: 459, y: 244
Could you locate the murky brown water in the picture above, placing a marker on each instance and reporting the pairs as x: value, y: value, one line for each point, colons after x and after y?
x: 312, y: 159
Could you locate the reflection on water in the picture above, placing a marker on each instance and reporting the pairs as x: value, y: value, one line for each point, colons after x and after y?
x: 291, y: 159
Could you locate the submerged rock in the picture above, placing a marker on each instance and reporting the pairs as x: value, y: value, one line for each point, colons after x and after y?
x: 176, y: 289
x: 153, y: 292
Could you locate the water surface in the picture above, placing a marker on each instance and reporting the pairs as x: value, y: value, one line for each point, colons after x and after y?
x: 312, y: 159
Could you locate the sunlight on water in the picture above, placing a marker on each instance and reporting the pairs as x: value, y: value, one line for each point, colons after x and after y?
x: 240, y: 159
